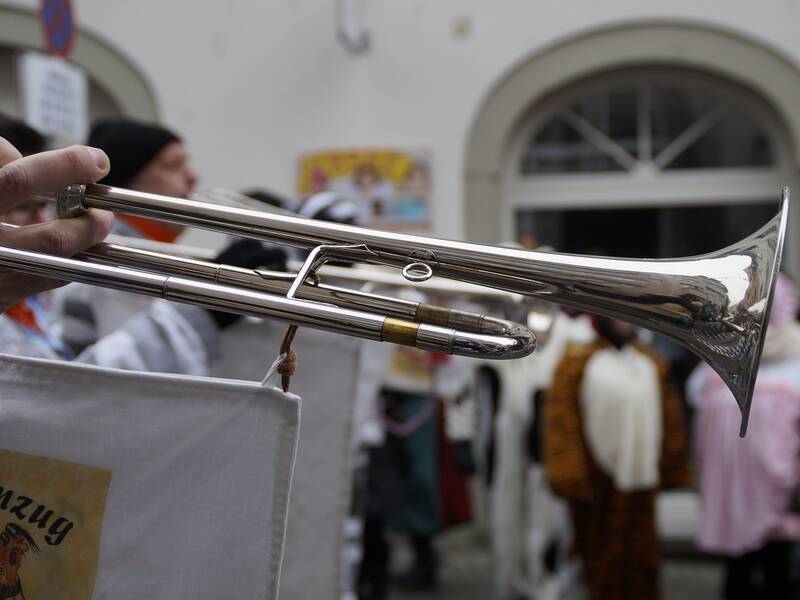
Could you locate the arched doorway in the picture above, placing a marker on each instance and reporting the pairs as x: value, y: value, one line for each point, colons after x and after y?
x: 678, y: 165
x: 696, y: 162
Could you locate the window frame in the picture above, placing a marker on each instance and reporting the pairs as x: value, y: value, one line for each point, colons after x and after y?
x: 644, y: 187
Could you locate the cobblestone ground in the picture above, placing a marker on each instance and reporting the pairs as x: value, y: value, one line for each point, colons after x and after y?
x: 466, y: 572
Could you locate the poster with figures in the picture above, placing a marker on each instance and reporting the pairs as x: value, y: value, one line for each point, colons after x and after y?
x: 391, y: 189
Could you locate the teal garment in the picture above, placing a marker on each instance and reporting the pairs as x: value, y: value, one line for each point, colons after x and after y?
x: 418, y: 513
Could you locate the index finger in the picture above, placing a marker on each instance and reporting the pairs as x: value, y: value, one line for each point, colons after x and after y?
x: 49, y: 172
x: 8, y: 152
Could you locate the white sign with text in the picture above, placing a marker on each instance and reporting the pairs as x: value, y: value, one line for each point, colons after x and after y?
x: 53, y: 96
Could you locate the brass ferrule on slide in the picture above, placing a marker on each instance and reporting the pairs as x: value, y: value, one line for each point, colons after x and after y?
x: 398, y: 331
x: 435, y: 315
x: 448, y: 317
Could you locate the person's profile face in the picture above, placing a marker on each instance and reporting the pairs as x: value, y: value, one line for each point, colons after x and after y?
x: 168, y: 174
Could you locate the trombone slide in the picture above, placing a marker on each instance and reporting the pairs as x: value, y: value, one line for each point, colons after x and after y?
x: 275, y: 282
x: 249, y: 302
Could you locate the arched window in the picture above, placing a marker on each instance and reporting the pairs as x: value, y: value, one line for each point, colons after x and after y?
x: 697, y: 161
x: 655, y: 125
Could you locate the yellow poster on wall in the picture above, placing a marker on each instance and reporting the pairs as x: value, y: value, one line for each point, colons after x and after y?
x: 390, y: 189
x: 51, y: 516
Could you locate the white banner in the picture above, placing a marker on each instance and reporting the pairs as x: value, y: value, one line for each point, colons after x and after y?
x: 133, y: 485
x: 326, y: 379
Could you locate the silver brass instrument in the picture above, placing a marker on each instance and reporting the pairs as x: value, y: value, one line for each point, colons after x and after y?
x: 715, y: 304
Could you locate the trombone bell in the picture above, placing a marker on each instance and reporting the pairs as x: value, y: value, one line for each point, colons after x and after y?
x: 731, y: 307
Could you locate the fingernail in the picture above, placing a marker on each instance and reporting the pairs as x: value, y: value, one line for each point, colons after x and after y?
x: 100, y: 158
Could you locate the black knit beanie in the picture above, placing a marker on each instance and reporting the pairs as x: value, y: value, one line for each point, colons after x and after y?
x: 130, y: 146
x: 23, y: 137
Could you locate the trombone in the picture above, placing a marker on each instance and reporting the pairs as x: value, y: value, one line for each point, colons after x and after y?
x: 716, y: 304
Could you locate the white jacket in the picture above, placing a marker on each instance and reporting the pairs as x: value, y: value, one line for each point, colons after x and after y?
x: 167, y: 338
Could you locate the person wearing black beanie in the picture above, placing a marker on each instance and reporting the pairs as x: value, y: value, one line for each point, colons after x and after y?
x: 148, y: 158
x: 144, y: 155
x: 21, y: 135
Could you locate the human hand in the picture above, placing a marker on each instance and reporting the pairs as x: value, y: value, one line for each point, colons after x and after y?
x: 24, y: 178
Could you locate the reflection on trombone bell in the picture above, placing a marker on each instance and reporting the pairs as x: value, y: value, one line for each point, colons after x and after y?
x: 716, y: 304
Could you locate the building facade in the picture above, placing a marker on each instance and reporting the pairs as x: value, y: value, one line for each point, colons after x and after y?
x: 541, y: 121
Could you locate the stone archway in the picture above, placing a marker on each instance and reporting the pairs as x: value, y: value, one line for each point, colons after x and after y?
x: 724, y: 53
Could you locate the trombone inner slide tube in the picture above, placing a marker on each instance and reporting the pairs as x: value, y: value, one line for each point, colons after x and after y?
x: 716, y: 304
x: 276, y: 282
x: 252, y: 303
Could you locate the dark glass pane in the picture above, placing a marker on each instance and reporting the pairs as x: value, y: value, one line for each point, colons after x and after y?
x: 734, y: 141
x: 673, y: 110
x: 558, y: 148
x: 542, y: 227
x: 629, y: 232
x: 644, y: 233
x: 613, y: 112
x: 702, y: 229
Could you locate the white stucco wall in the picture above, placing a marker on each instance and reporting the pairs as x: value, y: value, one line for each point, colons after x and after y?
x: 252, y: 84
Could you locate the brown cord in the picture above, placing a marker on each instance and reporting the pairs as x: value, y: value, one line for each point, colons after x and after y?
x: 287, y: 366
